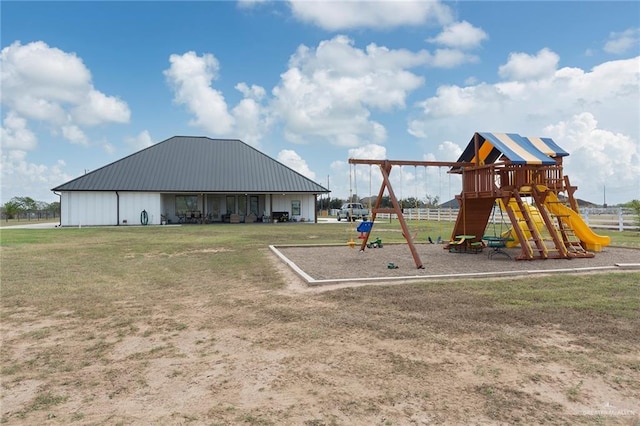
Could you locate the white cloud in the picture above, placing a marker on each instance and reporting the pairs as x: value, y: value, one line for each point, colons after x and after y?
x: 15, y: 135
x: 75, y: 135
x: 369, y: 152
x: 608, y: 94
x: 246, y: 4
x: 47, y: 84
x: 108, y: 148
x: 450, y: 58
x: 623, y: 42
x: 449, y: 151
x: 53, y: 89
x: 344, y: 15
x: 21, y: 178
x: 141, y: 141
x: 327, y: 93
x: 191, y: 76
x: 99, y: 108
x: 522, y: 66
x: 249, y: 114
x: 292, y: 160
x: 598, y: 157
x: 461, y: 35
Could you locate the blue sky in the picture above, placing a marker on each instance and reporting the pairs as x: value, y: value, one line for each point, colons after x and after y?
x: 312, y: 84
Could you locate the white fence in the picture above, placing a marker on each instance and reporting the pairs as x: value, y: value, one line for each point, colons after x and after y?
x: 616, y: 218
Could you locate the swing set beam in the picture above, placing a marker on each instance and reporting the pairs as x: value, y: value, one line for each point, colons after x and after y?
x: 410, y: 163
x: 385, y: 168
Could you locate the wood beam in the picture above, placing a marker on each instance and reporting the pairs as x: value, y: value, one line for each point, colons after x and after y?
x: 385, y: 168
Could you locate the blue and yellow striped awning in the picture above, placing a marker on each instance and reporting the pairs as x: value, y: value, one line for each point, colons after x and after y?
x: 517, y: 149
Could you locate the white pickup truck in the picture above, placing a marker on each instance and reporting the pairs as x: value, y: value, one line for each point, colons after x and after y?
x: 353, y: 211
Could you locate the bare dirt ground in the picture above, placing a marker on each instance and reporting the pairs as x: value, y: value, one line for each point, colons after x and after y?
x: 405, y: 354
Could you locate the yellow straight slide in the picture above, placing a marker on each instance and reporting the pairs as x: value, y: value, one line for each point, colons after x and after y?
x: 590, y: 239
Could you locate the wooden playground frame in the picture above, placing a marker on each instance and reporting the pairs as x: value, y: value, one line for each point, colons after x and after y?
x: 482, y: 186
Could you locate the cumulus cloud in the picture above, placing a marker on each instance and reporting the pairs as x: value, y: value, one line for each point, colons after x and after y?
x: 461, y: 35
x: 611, y: 159
x: 450, y: 58
x: 21, y: 177
x: 14, y: 134
x: 449, y: 151
x: 292, y: 160
x: 602, y: 101
x: 371, y: 152
x: 98, y: 108
x: 141, y: 141
x: 74, y: 134
x: 191, y: 77
x: 250, y: 115
x: 622, y: 42
x: 52, y: 89
x: 344, y: 15
x: 245, y: 4
x: 44, y: 83
x: 328, y: 92
x: 522, y: 66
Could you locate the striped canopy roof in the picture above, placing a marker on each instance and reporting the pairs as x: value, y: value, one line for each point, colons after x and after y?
x: 518, y: 149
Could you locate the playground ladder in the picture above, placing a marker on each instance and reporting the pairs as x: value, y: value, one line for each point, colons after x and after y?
x: 569, y: 239
x: 527, y: 248
x: 567, y: 244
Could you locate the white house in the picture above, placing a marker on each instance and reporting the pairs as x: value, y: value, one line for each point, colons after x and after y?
x: 189, y: 179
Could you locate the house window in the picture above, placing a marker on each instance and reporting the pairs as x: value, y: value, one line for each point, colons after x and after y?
x: 185, y: 203
x: 242, y: 204
x: 295, y: 208
x: 231, y: 204
x: 253, y: 204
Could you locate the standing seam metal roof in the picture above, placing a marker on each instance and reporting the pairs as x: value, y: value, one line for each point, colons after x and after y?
x: 195, y: 164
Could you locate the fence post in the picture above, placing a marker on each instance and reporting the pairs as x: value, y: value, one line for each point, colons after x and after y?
x: 586, y: 215
x: 620, y: 220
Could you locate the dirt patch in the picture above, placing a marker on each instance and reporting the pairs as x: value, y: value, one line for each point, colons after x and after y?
x: 231, y: 350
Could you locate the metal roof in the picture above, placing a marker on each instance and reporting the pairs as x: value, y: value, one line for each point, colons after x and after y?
x: 195, y: 164
x: 518, y: 149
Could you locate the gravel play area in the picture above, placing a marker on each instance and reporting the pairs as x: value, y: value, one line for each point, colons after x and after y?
x: 340, y: 262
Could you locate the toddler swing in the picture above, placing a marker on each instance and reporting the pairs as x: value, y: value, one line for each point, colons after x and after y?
x: 496, y: 242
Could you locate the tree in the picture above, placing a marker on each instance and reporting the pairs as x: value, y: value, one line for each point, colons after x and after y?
x: 410, y: 203
x: 385, y: 202
x: 433, y: 201
x: 336, y: 203
x: 27, y: 203
x: 11, y: 209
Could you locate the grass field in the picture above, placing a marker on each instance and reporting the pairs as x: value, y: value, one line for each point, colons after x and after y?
x: 200, y: 325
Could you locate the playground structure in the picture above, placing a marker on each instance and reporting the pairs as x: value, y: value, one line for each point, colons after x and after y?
x: 506, y: 169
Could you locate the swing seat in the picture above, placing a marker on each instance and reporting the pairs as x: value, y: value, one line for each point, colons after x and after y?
x: 497, y: 244
x: 364, y: 228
